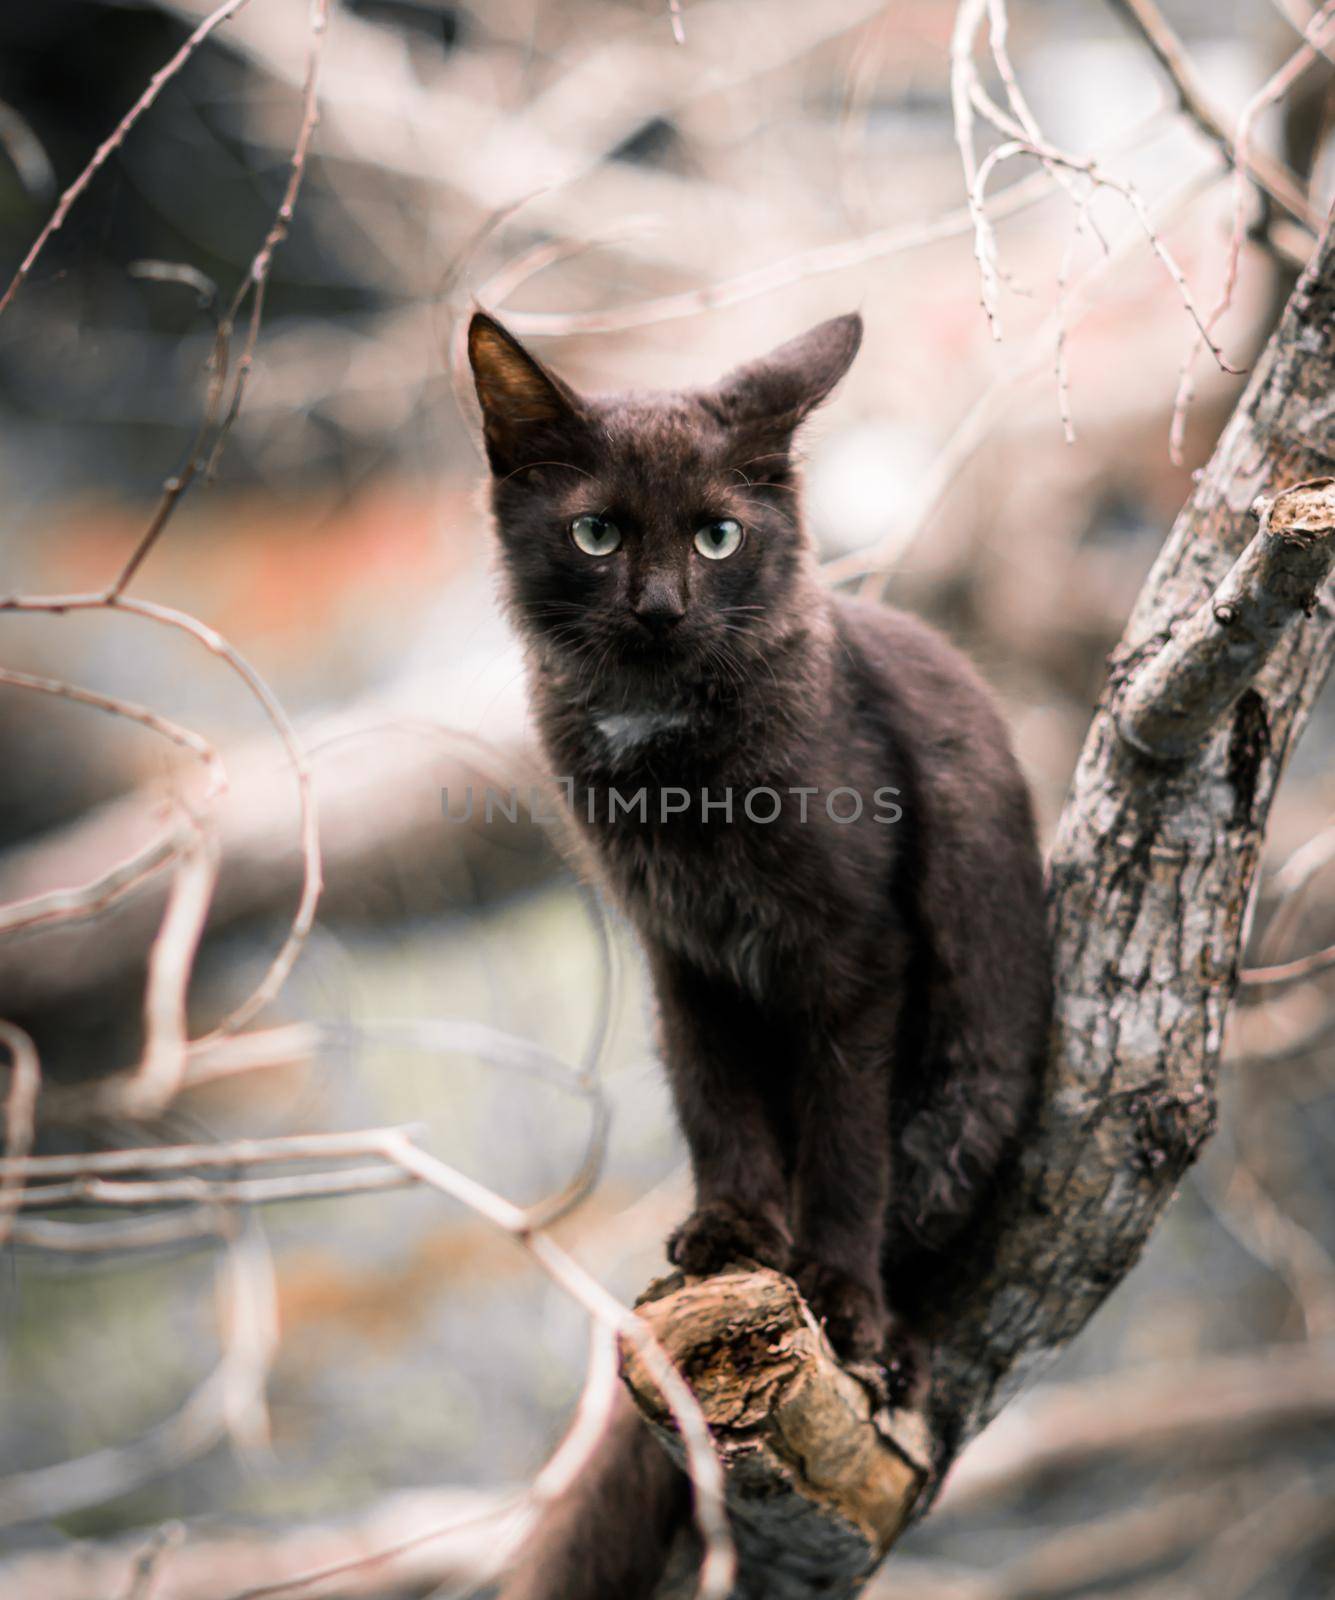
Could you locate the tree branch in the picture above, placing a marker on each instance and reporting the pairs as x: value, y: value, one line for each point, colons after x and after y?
x: 1175, y: 703
x: 1267, y: 173
x: 820, y: 1480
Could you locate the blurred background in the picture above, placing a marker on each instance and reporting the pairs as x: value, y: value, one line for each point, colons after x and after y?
x: 644, y: 209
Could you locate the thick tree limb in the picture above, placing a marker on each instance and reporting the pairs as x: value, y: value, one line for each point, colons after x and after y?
x: 1151, y: 877
x: 1179, y: 698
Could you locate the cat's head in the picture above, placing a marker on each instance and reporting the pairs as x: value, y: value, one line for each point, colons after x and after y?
x: 656, y: 537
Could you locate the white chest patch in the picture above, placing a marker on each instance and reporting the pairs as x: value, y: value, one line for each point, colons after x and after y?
x: 626, y: 730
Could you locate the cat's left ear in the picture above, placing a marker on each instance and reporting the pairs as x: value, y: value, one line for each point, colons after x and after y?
x: 528, y: 413
x: 780, y: 389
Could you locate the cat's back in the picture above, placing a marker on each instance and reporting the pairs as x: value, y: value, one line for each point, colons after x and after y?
x: 942, y: 713
x: 975, y: 862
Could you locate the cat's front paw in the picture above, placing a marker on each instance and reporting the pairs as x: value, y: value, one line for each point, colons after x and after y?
x: 720, y: 1232
x: 904, y: 1359
x: 852, y: 1312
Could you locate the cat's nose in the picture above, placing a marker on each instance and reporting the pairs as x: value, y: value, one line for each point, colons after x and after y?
x: 661, y: 604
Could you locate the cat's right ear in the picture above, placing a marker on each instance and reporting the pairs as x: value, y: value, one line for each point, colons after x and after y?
x: 780, y: 390
x: 528, y: 415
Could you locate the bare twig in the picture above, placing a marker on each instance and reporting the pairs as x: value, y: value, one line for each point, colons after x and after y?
x: 252, y: 286
x: 804, y: 264
x: 89, y: 898
x: 112, y: 143
x: 1099, y: 178
x: 304, y: 915
x: 1302, y: 16
x: 394, y: 1146
x: 161, y: 1071
x: 1321, y: 29
x: 185, y: 738
x: 963, y: 80
x: 1291, y: 884
x: 1286, y: 974
x: 25, y: 1084
x: 96, y: 895
x: 1143, y: 1413
x: 1271, y: 175
x: 1276, y: 1239
x: 148, y: 1563
x: 257, y: 278
x: 990, y: 407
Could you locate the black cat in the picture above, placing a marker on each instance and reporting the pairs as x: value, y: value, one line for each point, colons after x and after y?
x: 853, y: 984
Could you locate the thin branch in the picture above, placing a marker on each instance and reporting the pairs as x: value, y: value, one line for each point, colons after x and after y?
x: 304, y: 915
x: 112, y: 143
x: 62, y: 905
x: 963, y: 80
x: 253, y: 285
x: 148, y: 1563
x: 126, y: 875
x: 257, y: 278
x: 185, y: 738
x: 1271, y: 175
x: 1302, y: 16
x: 25, y: 1085
x: 1280, y: 1243
x: 214, y: 1192
x: 377, y: 1558
x: 1143, y: 1413
x: 869, y: 563
x: 840, y: 256
x: 1101, y: 179
x: 161, y: 1071
x: 1287, y: 974
x: 1321, y: 28
x: 1291, y: 884
x: 227, y: 1153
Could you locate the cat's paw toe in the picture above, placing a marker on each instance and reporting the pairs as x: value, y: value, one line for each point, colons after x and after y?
x: 851, y: 1312
x: 719, y: 1233
x: 904, y: 1360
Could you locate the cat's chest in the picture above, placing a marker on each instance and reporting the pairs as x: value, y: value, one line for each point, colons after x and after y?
x: 715, y: 893
x: 700, y: 840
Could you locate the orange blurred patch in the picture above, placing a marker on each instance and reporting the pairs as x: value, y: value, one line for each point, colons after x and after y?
x: 318, y: 1290
x: 296, y: 572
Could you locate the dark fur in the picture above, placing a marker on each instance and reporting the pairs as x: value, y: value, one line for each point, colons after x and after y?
x: 853, y: 1016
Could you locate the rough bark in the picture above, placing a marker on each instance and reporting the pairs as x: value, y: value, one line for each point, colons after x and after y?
x: 820, y: 1481
x: 1151, y: 878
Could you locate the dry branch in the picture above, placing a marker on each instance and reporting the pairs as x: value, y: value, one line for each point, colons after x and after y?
x: 1150, y: 881
x: 1176, y: 702
x: 1271, y: 175
x: 378, y: 785
x: 819, y: 1486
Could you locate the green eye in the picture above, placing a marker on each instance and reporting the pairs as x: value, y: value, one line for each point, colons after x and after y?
x: 595, y: 536
x: 718, y: 540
